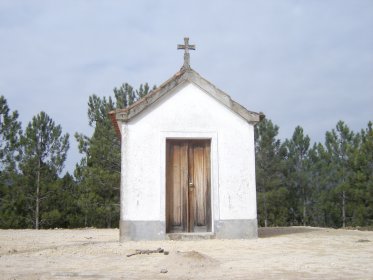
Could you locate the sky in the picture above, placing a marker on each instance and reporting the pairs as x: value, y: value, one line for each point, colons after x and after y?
x: 300, y: 62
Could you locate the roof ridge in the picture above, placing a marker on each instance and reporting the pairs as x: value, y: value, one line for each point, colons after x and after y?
x: 184, y: 74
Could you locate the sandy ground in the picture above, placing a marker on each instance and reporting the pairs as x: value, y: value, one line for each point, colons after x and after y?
x: 282, y: 253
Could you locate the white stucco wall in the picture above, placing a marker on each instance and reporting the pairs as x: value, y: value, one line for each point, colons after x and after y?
x: 187, y: 113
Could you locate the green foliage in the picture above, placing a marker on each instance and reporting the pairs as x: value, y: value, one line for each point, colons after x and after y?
x: 361, y: 194
x: 10, y: 131
x: 11, y: 197
x: 125, y: 95
x: 272, y: 196
x: 297, y: 175
x: 327, y: 185
x: 318, y: 168
x: 341, y: 145
x: 43, y: 143
x: 44, y: 153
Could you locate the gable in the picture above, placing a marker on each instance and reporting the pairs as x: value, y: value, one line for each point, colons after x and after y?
x: 180, y: 78
x: 186, y: 108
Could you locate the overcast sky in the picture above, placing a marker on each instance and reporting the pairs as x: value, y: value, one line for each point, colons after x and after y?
x: 307, y: 63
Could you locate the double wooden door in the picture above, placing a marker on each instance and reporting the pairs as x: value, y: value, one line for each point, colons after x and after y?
x: 188, y: 187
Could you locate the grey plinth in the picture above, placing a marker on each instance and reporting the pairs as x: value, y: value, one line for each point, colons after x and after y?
x: 236, y: 229
x: 142, y: 230
x: 155, y: 230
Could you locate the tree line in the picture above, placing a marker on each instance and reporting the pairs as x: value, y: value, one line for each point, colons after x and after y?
x: 34, y: 193
x: 328, y: 185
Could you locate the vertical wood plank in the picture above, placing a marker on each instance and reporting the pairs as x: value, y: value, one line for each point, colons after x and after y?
x: 208, y: 184
x: 176, y: 190
x: 184, y: 185
x: 200, y: 183
x: 176, y: 185
x: 168, y: 185
x: 191, y: 191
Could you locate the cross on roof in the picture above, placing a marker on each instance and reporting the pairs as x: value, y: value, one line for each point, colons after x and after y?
x: 186, y: 47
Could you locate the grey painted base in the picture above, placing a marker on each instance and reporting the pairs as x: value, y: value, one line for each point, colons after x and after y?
x: 155, y: 230
x: 236, y: 229
x: 141, y: 230
x: 190, y: 236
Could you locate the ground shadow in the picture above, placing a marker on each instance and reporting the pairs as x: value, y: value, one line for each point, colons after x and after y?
x: 264, y: 232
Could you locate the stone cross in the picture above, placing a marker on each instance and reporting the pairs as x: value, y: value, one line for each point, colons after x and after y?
x: 186, y: 47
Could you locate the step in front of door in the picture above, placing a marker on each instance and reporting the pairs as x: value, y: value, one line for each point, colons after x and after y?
x: 191, y: 235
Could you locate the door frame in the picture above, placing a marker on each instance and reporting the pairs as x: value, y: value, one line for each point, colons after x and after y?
x: 213, y: 137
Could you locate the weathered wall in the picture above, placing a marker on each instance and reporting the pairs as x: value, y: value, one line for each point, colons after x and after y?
x: 191, y: 113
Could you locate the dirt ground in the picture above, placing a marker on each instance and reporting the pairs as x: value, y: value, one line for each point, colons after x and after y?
x: 280, y: 253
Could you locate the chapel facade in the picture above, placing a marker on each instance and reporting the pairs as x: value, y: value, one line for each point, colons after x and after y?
x: 188, y: 162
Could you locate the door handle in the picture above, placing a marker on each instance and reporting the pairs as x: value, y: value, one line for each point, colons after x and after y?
x: 191, y: 185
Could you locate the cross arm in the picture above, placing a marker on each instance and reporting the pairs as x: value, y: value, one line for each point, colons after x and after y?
x: 183, y: 47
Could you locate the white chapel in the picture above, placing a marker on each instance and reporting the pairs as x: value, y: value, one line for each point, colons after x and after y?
x: 188, y: 162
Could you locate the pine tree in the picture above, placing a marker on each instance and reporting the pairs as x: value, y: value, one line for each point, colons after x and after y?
x: 272, y: 194
x: 61, y: 208
x: 298, y: 177
x: 340, y: 144
x: 11, y: 198
x: 367, y: 169
x: 10, y: 131
x: 320, y: 208
x: 361, y: 191
x: 44, y: 154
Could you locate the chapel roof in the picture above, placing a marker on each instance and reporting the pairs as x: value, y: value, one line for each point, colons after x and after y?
x: 181, y: 77
x: 185, y: 75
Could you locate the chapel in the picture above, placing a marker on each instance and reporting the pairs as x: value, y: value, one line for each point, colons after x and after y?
x: 187, y: 162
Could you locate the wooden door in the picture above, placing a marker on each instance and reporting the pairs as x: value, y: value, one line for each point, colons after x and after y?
x: 188, y: 187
